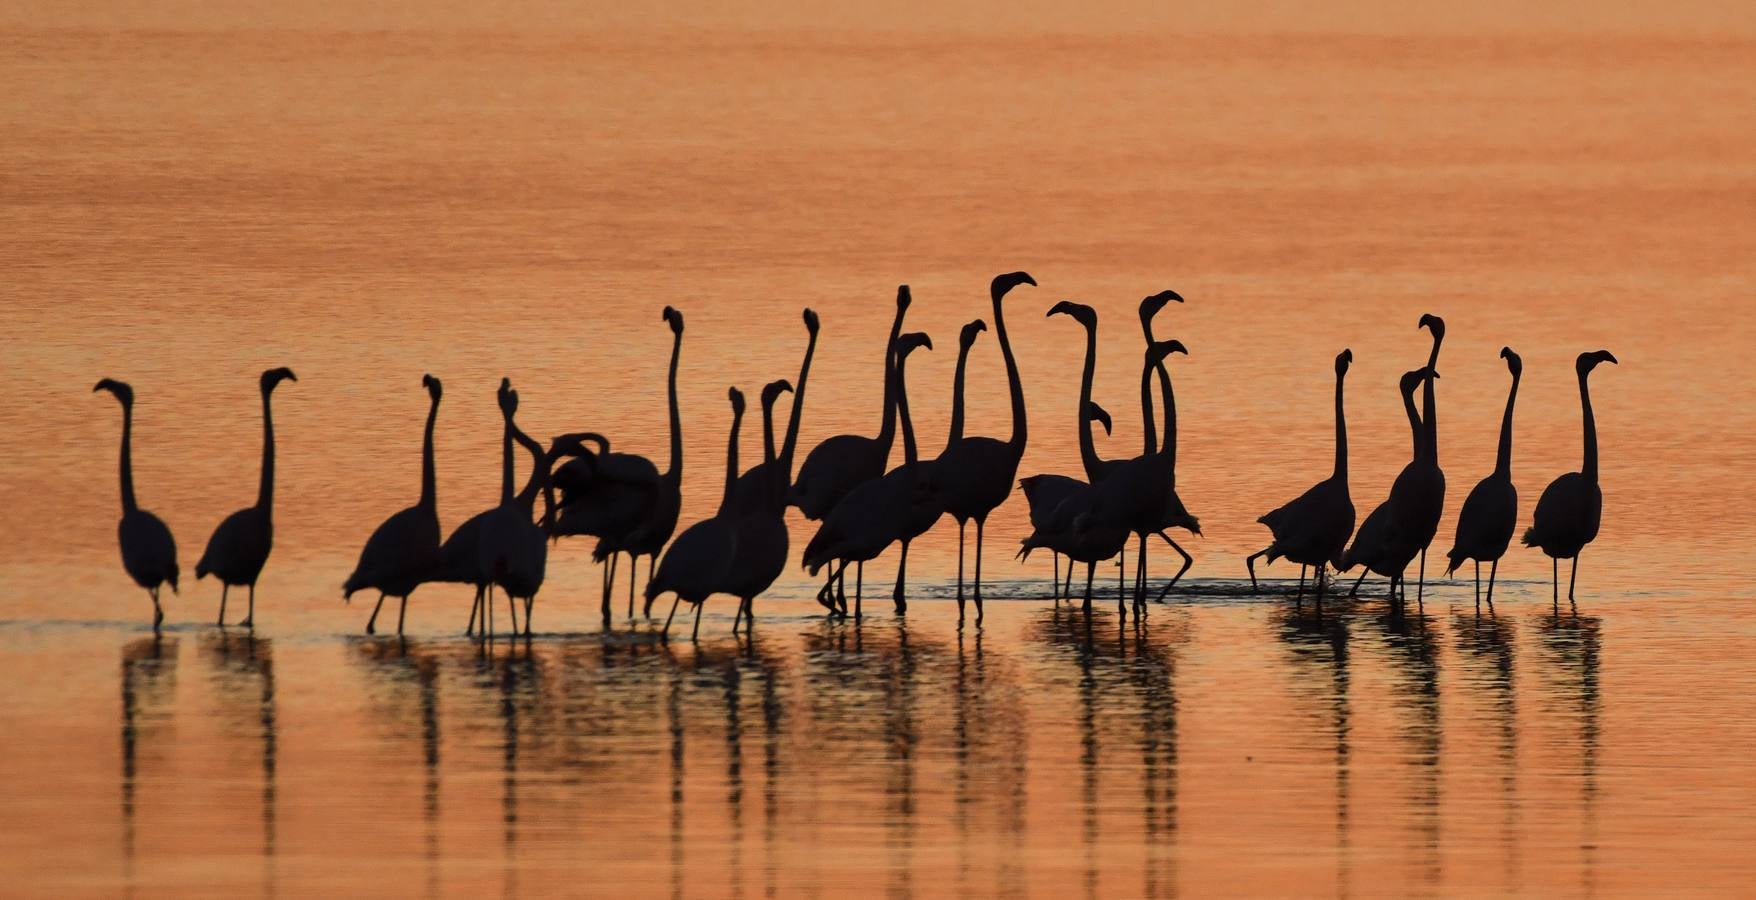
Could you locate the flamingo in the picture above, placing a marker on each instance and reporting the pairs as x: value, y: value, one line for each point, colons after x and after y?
x: 927, y: 509
x: 974, y: 476
x: 1571, y: 507
x: 626, y: 502
x: 763, y: 541
x: 1376, y: 545
x: 875, y: 514
x: 1313, y: 528
x: 239, y: 547
x: 149, y: 553
x: 1176, y: 515
x: 1422, y: 502
x: 404, y: 549
x: 459, y: 556
x: 700, y: 562
x: 1490, y: 512
x: 761, y: 524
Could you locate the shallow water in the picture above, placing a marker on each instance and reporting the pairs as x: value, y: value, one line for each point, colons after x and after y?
x: 366, y: 195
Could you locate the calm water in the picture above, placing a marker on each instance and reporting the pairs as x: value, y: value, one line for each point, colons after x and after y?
x: 367, y: 196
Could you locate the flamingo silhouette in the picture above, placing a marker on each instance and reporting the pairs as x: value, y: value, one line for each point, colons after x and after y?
x: 1176, y: 515
x: 1313, y: 528
x: 1571, y: 507
x: 1056, y: 502
x: 1490, y: 512
x: 622, y: 498
x: 760, y: 522
x: 516, y: 550
x: 763, y: 541
x: 700, y: 562
x: 973, y: 476
x: 149, y: 553
x: 1376, y: 546
x: 927, y: 508
x: 1422, y: 500
x: 405, y: 548
x: 875, y: 514
x: 460, y: 557
x: 239, y: 547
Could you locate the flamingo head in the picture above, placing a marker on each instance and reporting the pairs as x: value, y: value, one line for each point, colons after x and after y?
x: 773, y: 390
x: 737, y: 398
x: 1342, y: 360
x: 1513, y: 362
x: 507, y: 398
x: 1149, y: 306
x: 123, y: 392
x: 1589, y: 361
x: 1097, y: 414
x: 434, y: 388
x: 967, y: 337
x: 274, y: 377
x: 912, y: 341
x: 1004, y: 283
x: 903, y: 299
x: 811, y: 321
x: 1081, y: 313
x: 1434, y: 324
x: 1412, y: 380
x: 674, y: 319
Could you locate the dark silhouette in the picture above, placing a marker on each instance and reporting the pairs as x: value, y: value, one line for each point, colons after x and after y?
x: 1314, y: 527
x: 513, y: 551
x: 623, y: 500
x: 1377, y: 546
x: 927, y: 508
x: 844, y: 461
x: 1176, y: 515
x: 459, y: 556
x: 974, y: 476
x: 1568, y: 513
x: 149, y: 553
x: 403, y: 550
x: 239, y: 547
x: 699, y: 564
x: 1420, y: 487
x: 1490, y: 512
x: 763, y: 541
x: 761, y: 522
x: 876, y: 514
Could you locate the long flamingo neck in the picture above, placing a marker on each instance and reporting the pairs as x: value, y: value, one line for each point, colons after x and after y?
x: 1020, y: 428
x: 265, y: 491
x: 956, y: 433
x: 128, y: 504
x: 1340, y: 432
x: 909, y: 454
x: 1429, y: 405
x: 429, y: 488
x: 725, y: 500
x: 792, y: 438
x: 1087, y: 448
x: 1503, y: 459
x: 1169, y: 447
x: 675, y: 473
x: 1590, y: 469
x: 1414, y: 424
x: 539, y: 470
x: 1146, y: 415
x: 768, y: 432
x: 506, y: 462
x: 887, y: 428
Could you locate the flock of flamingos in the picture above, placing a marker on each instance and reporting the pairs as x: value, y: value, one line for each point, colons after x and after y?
x: 862, y: 508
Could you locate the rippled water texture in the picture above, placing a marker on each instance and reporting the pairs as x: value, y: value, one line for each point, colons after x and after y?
x: 369, y: 194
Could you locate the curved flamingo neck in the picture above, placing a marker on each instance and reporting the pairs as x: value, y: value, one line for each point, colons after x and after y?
x: 429, y: 488
x: 1429, y: 405
x: 1087, y: 447
x: 1340, y: 431
x: 792, y: 438
x: 265, y: 491
x: 768, y: 431
x: 128, y: 504
x: 539, y: 470
x: 956, y: 433
x: 1503, y: 459
x: 909, y: 454
x: 1146, y: 415
x: 1590, y: 468
x: 887, y: 429
x: 1414, y: 423
x: 725, y: 500
x: 506, y: 461
x: 1169, y: 447
x: 1020, y: 427
x: 675, y: 473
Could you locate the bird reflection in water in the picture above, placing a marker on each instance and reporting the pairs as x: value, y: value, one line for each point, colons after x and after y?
x: 400, y: 667
x: 149, y: 683
x: 1319, y: 644
x: 1414, y: 652
x: 1572, y: 648
x: 1487, y: 645
x: 243, y: 671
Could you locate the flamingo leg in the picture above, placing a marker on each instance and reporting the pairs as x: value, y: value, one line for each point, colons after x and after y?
x: 859, y: 582
x: 1572, y: 577
x: 402, y: 612
x: 1055, y: 588
x: 1250, y: 564
x: 981, y: 523
x: 1478, y: 585
x: 529, y: 603
x: 1355, y: 590
x: 666, y: 633
x: 474, y: 608
x: 739, y: 617
x: 695, y: 633
x: 633, y: 563
x: 370, y: 623
x: 901, y: 577
x: 1421, y: 581
x: 841, y: 587
x: 1555, y: 579
x: 1299, y: 598
x: 1187, y: 562
x: 222, y: 617
x: 512, y: 612
x: 1089, y: 568
x: 158, y: 612
x: 1067, y: 587
x: 250, y: 616
x: 962, y: 524
x: 1493, y: 569
x: 646, y: 610
x: 1322, y: 583
x: 609, y: 582
x: 1140, y: 573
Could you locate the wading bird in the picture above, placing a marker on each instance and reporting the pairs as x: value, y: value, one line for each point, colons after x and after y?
x: 1490, y: 512
x: 404, y: 549
x: 149, y: 553
x: 239, y: 547
x: 1568, y: 513
x: 1313, y: 528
